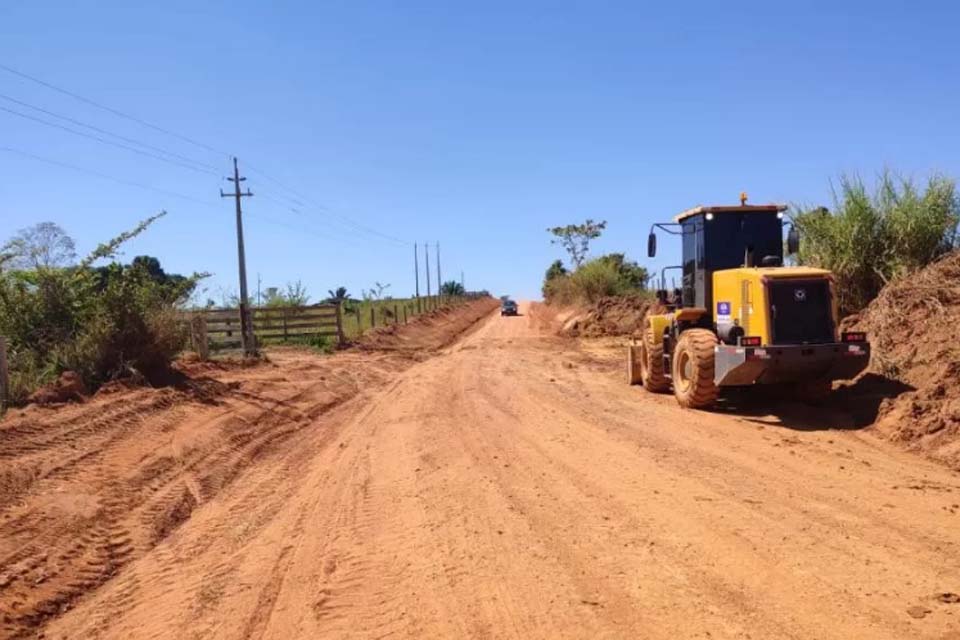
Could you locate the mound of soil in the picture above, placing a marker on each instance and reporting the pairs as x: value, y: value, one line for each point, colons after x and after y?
x: 429, y: 331
x: 913, y: 328
x: 609, y: 316
x: 68, y: 387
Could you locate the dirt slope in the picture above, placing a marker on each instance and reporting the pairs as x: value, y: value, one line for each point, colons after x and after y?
x: 914, y: 326
x: 86, y: 490
x: 511, y: 486
x: 609, y: 316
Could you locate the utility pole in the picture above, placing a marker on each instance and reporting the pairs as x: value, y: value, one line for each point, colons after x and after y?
x: 439, y: 280
x: 416, y: 270
x: 426, y: 255
x: 246, y: 330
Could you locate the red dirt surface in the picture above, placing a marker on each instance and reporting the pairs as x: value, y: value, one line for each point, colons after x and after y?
x: 914, y: 327
x: 511, y: 485
x: 87, y: 489
x: 610, y: 316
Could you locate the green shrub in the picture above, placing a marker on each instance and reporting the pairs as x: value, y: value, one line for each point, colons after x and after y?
x: 868, y: 239
x: 609, y: 275
x: 102, y: 322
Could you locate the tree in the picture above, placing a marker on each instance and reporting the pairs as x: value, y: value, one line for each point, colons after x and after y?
x: 375, y: 293
x: 178, y: 287
x: 575, y: 238
x: 555, y: 270
x: 42, y: 246
x: 294, y: 295
x: 632, y: 275
x: 452, y: 288
x: 339, y: 295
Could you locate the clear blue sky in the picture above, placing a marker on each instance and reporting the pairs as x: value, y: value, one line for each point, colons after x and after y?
x: 475, y: 124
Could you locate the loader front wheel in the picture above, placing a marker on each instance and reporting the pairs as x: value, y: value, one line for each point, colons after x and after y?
x: 693, y: 368
x: 651, y: 363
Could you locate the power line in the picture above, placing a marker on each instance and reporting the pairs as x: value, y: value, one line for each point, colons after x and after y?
x: 108, y: 142
x: 326, y: 211
x: 105, y: 176
x: 301, y: 229
x: 115, y: 112
x: 109, y: 133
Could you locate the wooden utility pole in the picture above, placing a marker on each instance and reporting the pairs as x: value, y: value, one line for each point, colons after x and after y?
x: 246, y: 330
x: 4, y: 375
x: 439, y: 279
x: 426, y: 255
x: 416, y: 271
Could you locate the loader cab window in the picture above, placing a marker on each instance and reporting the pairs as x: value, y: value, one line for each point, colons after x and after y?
x: 736, y: 238
x: 694, y: 262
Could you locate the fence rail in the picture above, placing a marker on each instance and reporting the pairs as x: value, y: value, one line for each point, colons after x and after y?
x: 220, y: 328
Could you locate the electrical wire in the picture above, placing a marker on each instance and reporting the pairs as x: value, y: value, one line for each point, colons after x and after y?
x: 108, y: 142
x: 105, y: 176
x: 302, y: 201
x: 115, y: 112
x: 109, y: 133
x: 326, y: 211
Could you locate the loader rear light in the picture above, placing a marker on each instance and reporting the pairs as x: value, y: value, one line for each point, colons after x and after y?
x: 853, y: 336
x: 750, y: 341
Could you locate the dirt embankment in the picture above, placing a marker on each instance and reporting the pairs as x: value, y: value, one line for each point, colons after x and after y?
x: 914, y: 328
x: 429, y: 331
x: 86, y: 489
x: 609, y: 316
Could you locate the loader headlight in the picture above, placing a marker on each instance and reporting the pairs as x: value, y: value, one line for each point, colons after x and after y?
x: 709, y: 216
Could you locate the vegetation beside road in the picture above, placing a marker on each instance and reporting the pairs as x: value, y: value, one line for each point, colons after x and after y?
x: 870, y: 237
x: 101, y: 322
x: 590, y: 280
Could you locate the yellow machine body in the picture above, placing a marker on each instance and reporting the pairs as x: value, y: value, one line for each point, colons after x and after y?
x: 741, y: 299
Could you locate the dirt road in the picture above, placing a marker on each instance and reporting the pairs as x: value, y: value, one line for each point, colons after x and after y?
x: 512, y: 486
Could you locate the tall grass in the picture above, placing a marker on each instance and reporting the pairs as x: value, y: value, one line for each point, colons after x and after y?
x: 871, y: 237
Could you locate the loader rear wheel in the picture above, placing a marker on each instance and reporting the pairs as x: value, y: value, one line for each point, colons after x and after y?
x: 651, y: 364
x: 693, y: 367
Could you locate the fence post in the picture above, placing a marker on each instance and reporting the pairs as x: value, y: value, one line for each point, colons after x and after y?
x: 396, y: 314
x: 284, y: 319
x: 359, y: 320
x: 4, y: 375
x: 373, y: 316
x: 404, y: 313
x: 340, y: 338
x: 201, y: 343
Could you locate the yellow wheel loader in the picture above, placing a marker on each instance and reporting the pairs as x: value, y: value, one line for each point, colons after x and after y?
x: 741, y: 318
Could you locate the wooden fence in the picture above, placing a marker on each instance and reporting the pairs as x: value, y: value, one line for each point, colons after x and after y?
x: 220, y: 328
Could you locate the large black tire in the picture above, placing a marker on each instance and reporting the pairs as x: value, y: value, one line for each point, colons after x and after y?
x: 651, y: 363
x: 693, y: 368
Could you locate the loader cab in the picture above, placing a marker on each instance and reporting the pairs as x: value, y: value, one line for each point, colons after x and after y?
x: 723, y: 237
x: 716, y: 238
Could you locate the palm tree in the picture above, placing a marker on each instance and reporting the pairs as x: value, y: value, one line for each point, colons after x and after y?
x: 339, y: 295
x: 452, y: 288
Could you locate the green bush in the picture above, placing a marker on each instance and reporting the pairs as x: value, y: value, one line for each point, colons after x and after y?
x: 102, y: 322
x: 868, y: 239
x: 609, y: 275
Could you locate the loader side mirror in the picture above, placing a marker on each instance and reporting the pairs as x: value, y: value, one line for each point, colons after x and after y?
x: 793, y: 241
x: 652, y: 245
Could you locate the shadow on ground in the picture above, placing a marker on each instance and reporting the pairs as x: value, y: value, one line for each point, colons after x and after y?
x: 852, y: 406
